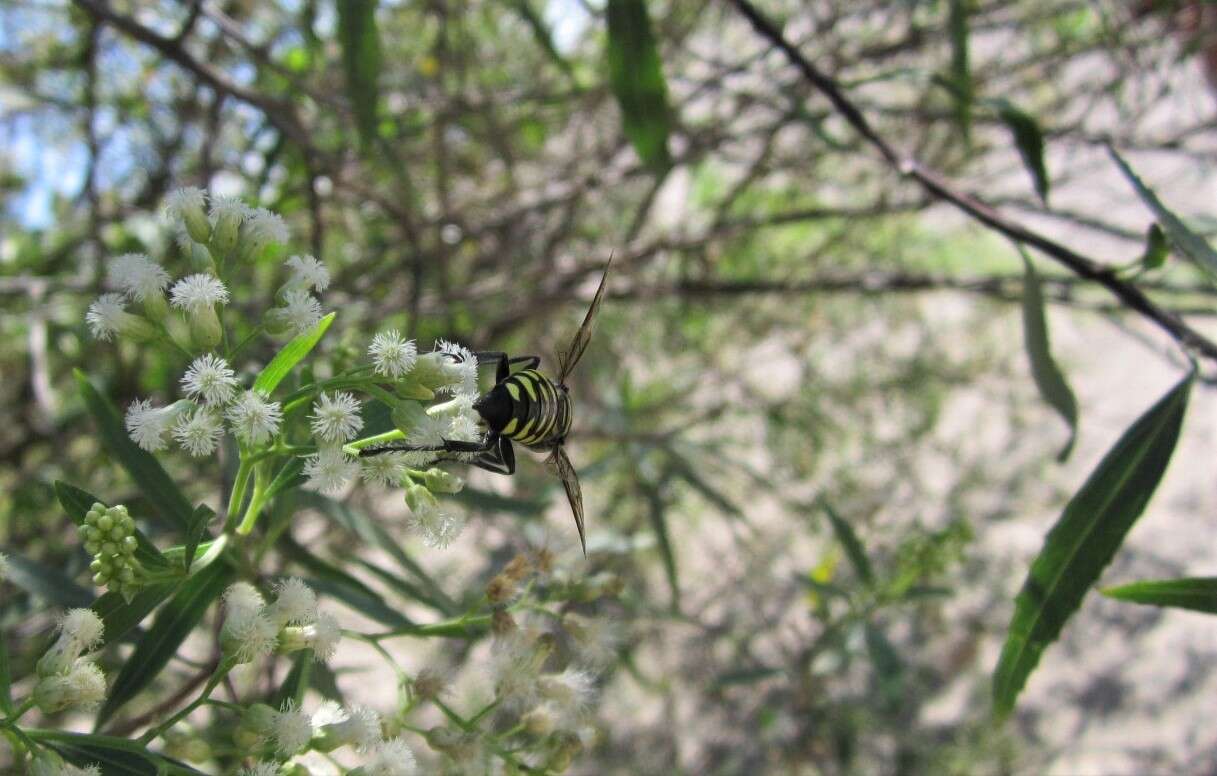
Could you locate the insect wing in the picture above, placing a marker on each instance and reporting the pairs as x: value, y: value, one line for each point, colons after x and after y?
x: 569, y: 357
x: 562, y: 467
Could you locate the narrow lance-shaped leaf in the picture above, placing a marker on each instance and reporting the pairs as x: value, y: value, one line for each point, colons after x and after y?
x: 1085, y: 538
x: 636, y: 78
x: 291, y: 354
x: 849, y: 540
x: 360, y: 40
x: 170, y: 628
x: 889, y: 669
x: 120, y: 617
x: 1195, y: 593
x: 1047, y: 375
x: 1181, y: 236
x: 1029, y: 141
x: 961, y: 69
x: 203, y: 515
x: 541, y: 33
x: 115, y: 756
x: 333, y: 581
x: 296, y: 683
x: 659, y: 524
x: 6, y: 679
x: 171, y: 506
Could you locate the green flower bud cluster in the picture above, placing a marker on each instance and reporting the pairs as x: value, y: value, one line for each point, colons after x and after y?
x: 109, y: 536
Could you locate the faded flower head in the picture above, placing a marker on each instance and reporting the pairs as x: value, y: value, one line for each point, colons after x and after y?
x: 336, y: 417
x: 137, y: 276
x: 307, y: 272
x: 209, y: 378
x: 261, y: 229
x: 253, y: 418
x: 198, y: 293
x: 392, y: 355
x: 329, y: 470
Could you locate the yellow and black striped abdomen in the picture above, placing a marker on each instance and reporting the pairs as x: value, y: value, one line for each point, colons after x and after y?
x: 540, y: 410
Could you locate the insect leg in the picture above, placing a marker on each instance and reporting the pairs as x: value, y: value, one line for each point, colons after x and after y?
x: 448, y: 446
x: 499, y: 460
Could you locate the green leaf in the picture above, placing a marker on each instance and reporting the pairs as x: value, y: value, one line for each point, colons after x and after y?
x: 961, y: 70
x: 48, y: 583
x: 1029, y: 141
x: 172, y: 625
x: 115, y: 756
x: 288, y: 477
x: 360, y: 41
x: 6, y: 679
x: 296, y: 683
x: 1195, y: 593
x: 333, y: 581
x: 1189, y: 243
x: 198, y: 528
x: 1085, y: 538
x: 637, y: 81
x: 171, y: 506
x: 1156, y: 248
x: 77, y: 503
x: 120, y: 617
x: 851, y: 544
x: 496, y: 503
x: 1047, y: 375
x: 292, y: 353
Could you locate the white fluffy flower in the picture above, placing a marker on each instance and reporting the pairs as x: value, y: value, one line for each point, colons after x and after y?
x: 392, y: 355
x: 329, y: 470
x: 242, y: 599
x: 199, y: 432
x: 460, y: 367
x: 199, y: 292
x: 248, y: 635
x: 180, y: 202
x: 229, y: 208
x: 385, y: 469
x: 80, y: 631
x: 263, y: 768
x: 254, y: 418
x: 210, y: 378
x: 570, y: 691
x: 105, y: 315
x: 83, y: 686
x: 137, y: 276
x: 390, y: 758
x: 429, y: 431
x: 295, y: 603
x: 300, y: 312
x: 437, y: 527
x: 360, y: 727
x: 47, y: 765
x: 336, y: 417
x: 146, y: 424
x: 291, y: 730
x: 323, y: 635
x: 261, y: 229
x: 307, y: 272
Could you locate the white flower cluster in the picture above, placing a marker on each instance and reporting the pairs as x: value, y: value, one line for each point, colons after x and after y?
x: 67, y: 676
x: 291, y: 730
x: 252, y: 629
x: 197, y: 424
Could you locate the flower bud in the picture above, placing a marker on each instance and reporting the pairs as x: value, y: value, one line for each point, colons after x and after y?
x: 228, y: 213
x: 440, y: 481
x: 187, y: 204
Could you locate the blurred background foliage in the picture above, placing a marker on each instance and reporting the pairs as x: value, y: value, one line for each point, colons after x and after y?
x: 791, y: 333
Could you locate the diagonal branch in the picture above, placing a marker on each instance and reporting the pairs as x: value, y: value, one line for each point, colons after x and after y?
x: 941, y: 188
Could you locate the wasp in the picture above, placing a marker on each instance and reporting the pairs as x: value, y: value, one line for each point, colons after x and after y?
x: 528, y: 407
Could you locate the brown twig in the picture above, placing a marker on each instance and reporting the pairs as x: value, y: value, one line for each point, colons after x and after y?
x: 941, y: 188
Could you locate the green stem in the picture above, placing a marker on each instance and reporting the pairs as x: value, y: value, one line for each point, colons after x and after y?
x: 396, y: 435
x: 465, y: 626
x: 18, y: 712
x: 256, y: 502
x: 237, y: 497
x: 212, y: 683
